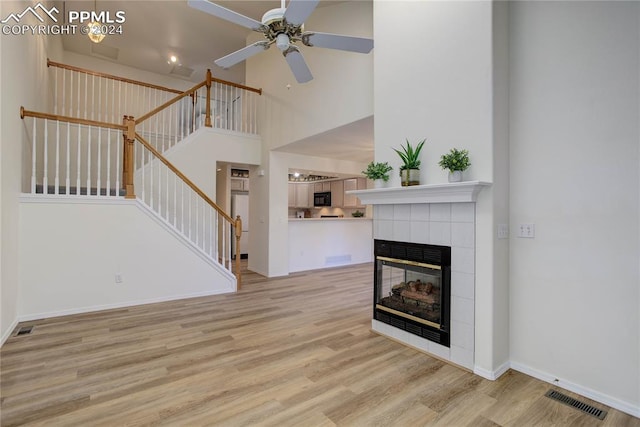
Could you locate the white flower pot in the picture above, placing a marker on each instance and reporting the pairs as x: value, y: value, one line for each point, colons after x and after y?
x: 410, y: 177
x: 379, y: 183
x: 455, y: 176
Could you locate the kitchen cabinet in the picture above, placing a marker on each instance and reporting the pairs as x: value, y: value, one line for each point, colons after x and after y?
x: 292, y: 195
x: 302, y: 195
x: 239, y: 184
x: 322, y: 187
x: 351, y: 201
x: 337, y: 194
x: 299, y: 195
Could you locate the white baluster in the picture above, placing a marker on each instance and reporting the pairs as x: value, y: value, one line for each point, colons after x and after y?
x: 216, y: 237
x: 55, y: 91
x: 175, y: 201
x: 99, y: 99
x: 205, y: 205
x: 34, y: 135
x: 190, y: 225
x: 177, y: 114
x: 152, y: 162
x: 166, y: 200
x: 67, y: 181
x: 109, y: 161
x: 144, y: 178
x: 117, y: 171
x: 45, y: 181
x: 160, y: 165
x: 70, y: 93
x: 99, y: 180
x: 56, y: 179
x: 211, y: 229
x: 93, y: 100
x: 197, y: 230
x: 224, y: 242
x: 64, y: 91
x: 226, y: 108
x: 86, y: 94
x: 89, y: 160
x: 78, y: 161
x: 182, y: 206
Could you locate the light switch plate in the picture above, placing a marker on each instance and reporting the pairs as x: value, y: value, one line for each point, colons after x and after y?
x: 503, y: 231
x: 527, y: 231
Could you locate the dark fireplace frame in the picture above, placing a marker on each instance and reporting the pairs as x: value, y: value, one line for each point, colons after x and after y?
x: 418, y: 253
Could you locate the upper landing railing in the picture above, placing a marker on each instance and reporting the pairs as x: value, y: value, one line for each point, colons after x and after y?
x: 92, y: 95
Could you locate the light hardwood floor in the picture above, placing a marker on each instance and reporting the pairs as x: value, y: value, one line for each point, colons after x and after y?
x: 294, y: 351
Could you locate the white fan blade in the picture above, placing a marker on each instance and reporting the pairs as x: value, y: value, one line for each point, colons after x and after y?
x: 336, y: 41
x: 299, y: 10
x: 297, y: 64
x: 226, y: 14
x: 242, y: 54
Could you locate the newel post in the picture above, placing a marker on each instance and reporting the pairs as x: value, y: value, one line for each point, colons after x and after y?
x: 207, y: 118
x: 238, y: 229
x: 129, y: 137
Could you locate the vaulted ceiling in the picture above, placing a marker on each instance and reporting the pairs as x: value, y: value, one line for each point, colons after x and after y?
x: 155, y: 30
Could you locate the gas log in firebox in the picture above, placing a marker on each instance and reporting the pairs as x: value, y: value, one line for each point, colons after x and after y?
x: 412, y: 288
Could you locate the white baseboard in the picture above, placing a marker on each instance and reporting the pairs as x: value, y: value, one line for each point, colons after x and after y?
x: 620, y: 405
x: 8, y: 332
x: 492, y: 375
x: 82, y: 310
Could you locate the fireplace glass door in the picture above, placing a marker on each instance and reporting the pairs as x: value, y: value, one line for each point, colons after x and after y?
x: 410, y: 289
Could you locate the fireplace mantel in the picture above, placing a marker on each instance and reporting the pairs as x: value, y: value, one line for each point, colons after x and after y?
x: 455, y: 192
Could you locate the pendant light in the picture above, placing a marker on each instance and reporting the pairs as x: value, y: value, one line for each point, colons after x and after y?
x: 95, y: 28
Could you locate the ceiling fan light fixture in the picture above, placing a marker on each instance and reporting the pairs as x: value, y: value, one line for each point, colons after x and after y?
x: 282, y: 42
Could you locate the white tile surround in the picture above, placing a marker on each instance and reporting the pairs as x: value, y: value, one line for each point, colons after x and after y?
x: 442, y: 214
x: 447, y: 224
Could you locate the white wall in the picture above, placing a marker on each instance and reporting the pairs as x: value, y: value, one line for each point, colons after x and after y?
x: 434, y: 79
x: 71, y: 253
x: 574, y: 102
x: 198, y: 154
x: 341, y: 93
x: 23, y: 81
x: 108, y: 67
x: 317, y: 244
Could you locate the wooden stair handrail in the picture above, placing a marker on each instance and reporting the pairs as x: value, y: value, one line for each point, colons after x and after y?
x: 237, y: 223
x: 26, y: 113
x: 239, y: 86
x: 170, y: 102
x: 140, y: 83
x: 109, y: 76
x: 175, y: 170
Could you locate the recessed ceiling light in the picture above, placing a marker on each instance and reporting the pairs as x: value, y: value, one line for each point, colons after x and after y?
x: 173, y: 59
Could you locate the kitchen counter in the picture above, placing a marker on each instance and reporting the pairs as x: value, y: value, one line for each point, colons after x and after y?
x: 329, y: 242
x: 330, y: 219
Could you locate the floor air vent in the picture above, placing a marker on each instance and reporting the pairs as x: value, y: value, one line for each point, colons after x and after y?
x: 25, y: 330
x: 581, y: 406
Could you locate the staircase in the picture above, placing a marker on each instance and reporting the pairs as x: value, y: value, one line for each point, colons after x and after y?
x: 106, y: 140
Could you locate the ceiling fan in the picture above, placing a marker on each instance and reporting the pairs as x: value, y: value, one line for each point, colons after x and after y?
x: 283, y: 26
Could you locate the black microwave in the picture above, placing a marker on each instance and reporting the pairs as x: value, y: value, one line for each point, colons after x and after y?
x: 322, y: 199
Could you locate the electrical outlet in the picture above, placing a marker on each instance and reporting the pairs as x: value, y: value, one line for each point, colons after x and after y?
x: 503, y: 231
x: 118, y: 278
x: 527, y: 231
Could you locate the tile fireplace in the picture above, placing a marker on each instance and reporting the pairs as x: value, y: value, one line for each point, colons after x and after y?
x: 427, y: 308
x: 412, y: 288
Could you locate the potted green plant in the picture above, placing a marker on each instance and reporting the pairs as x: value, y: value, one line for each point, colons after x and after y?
x: 378, y: 172
x: 410, y: 169
x: 456, y: 161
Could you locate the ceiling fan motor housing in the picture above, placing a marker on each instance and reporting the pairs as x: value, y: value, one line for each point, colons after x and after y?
x: 276, y: 25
